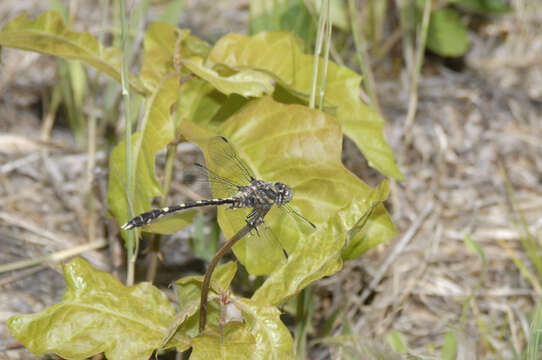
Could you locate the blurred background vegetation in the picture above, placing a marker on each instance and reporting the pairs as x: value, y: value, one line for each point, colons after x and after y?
x: 459, y: 84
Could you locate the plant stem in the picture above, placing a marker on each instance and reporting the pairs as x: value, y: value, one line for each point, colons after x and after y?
x: 304, y: 311
x: 363, y: 59
x: 317, y: 52
x: 54, y: 257
x: 325, y: 18
x: 214, y: 262
x: 156, y: 239
x: 326, y: 58
x: 132, y: 235
x: 420, y: 50
x: 92, y: 128
x: 91, y: 163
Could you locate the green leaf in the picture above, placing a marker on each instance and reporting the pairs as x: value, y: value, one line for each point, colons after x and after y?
x: 339, y: 17
x: 159, y: 51
x: 245, y: 82
x: 172, y: 12
x: 99, y: 314
x: 447, y: 36
x: 535, y: 333
x: 189, y: 288
x: 484, y: 7
x: 270, y: 338
x: 279, y: 54
x: 233, y: 342
x: 189, y: 292
x: 48, y: 34
x: 315, y: 257
x: 302, y: 148
x: 287, y: 15
x: 449, y: 346
x: 200, y: 102
x: 373, y: 227
x: 293, y: 15
x: 323, y: 252
x: 157, y: 131
x: 397, y: 342
x: 308, y: 147
x: 474, y: 246
x: 273, y: 340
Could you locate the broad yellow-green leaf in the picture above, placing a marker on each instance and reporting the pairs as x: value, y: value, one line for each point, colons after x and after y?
x: 48, y: 34
x: 200, y: 101
x: 304, y: 153
x: 363, y: 235
x: 279, y: 54
x: 156, y: 133
x: 189, y: 292
x: 271, y: 338
x: 99, y: 314
x: 302, y: 148
x: 189, y: 288
x: 159, y: 46
x: 315, y: 257
x: 233, y: 342
x: 248, y: 83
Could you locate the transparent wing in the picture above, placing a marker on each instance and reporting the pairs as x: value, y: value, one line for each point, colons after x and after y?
x: 226, y: 163
x: 305, y: 225
x: 220, y: 186
x: 289, y: 226
x: 259, y: 251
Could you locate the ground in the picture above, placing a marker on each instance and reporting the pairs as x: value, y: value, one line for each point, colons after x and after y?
x: 473, y: 170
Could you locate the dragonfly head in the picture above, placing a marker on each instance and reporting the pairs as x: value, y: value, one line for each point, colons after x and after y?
x: 284, y: 193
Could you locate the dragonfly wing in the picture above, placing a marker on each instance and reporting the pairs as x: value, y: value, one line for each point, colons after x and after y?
x: 224, y: 160
x: 305, y: 225
x: 220, y: 186
x: 289, y: 226
x: 260, y: 251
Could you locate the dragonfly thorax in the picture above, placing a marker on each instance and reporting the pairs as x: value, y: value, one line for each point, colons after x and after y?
x: 261, y: 194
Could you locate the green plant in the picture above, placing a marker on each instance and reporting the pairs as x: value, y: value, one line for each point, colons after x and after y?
x: 253, y: 90
x: 447, y: 33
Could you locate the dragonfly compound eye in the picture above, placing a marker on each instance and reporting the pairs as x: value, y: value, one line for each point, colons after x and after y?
x: 285, y: 194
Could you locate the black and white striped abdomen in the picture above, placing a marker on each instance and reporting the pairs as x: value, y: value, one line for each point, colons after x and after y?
x: 150, y: 216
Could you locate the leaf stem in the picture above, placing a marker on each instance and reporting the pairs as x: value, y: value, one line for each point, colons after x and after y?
x: 305, y: 307
x: 303, y: 317
x: 214, y: 262
x: 363, y: 59
x: 326, y: 58
x: 156, y: 239
x: 413, y: 96
x: 132, y: 235
x: 317, y: 52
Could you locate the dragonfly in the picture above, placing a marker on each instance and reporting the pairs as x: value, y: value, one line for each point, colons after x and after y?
x: 234, y: 184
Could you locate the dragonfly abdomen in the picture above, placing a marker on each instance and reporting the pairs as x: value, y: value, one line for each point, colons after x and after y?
x: 154, y: 214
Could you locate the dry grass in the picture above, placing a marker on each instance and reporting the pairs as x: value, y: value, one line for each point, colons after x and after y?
x: 473, y: 130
